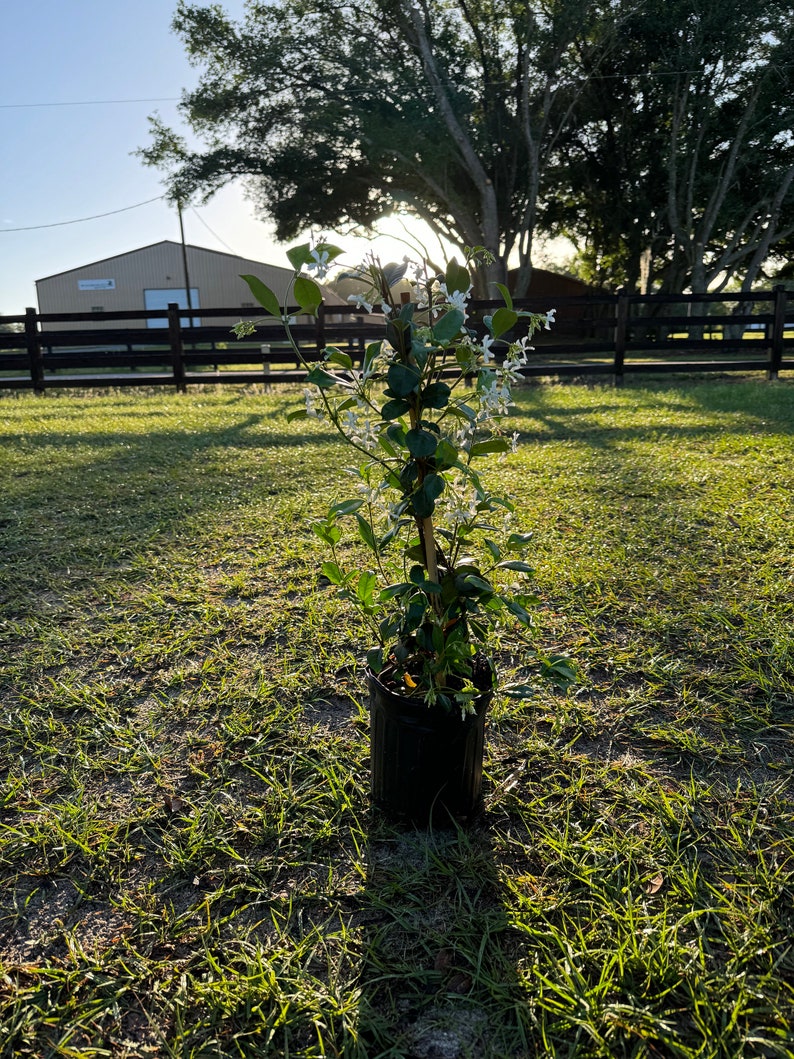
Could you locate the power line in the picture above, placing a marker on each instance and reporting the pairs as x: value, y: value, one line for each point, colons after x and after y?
x: 89, y: 102
x: 649, y: 74
x: 79, y: 220
x: 198, y: 215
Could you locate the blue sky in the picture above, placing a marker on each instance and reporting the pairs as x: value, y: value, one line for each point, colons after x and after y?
x: 61, y: 162
x: 67, y: 143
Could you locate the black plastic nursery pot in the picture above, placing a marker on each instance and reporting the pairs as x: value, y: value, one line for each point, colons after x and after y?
x: 426, y: 764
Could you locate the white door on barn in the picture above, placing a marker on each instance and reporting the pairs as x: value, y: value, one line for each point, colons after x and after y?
x: 161, y: 298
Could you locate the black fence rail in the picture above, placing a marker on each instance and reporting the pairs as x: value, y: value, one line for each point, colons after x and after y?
x: 610, y: 334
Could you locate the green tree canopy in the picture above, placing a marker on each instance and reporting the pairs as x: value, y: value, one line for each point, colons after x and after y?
x: 339, y: 113
x: 658, y: 136
x: 679, y: 160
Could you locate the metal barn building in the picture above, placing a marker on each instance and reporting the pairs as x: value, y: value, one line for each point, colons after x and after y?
x: 150, y: 278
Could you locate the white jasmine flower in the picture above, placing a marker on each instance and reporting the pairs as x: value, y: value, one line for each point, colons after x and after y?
x: 550, y: 319
x: 485, y: 344
x: 463, y: 438
x: 457, y: 299
x: 494, y: 399
x: 311, y: 411
x: 319, y: 264
x: 419, y: 296
x: 350, y: 422
x: 365, y: 436
x: 360, y: 302
x: 514, y: 441
x: 371, y: 496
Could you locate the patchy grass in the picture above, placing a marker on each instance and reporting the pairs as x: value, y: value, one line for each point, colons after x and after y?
x: 188, y: 863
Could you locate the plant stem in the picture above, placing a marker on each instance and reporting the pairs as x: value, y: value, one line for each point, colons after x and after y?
x: 429, y: 546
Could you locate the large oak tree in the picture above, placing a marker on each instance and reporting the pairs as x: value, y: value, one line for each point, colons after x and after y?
x: 679, y: 160
x: 659, y: 136
x: 338, y: 113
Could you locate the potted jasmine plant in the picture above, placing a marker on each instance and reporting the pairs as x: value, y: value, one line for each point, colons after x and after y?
x: 423, y: 415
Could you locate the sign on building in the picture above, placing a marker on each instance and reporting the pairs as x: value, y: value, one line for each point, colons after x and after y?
x: 96, y: 284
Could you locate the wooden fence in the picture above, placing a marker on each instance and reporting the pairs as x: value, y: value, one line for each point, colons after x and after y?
x: 610, y: 334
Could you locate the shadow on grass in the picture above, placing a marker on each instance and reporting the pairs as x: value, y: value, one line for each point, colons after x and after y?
x: 74, y: 503
x: 730, y: 407
x: 437, y: 979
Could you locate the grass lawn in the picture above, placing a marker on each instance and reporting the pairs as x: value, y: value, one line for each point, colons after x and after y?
x: 188, y: 863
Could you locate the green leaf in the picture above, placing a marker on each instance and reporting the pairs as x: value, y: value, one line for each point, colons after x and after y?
x: 457, y: 277
x: 299, y: 413
x: 366, y: 533
x: 424, y: 499
x: 385, y: 443
x: 493, y: 548
x: 344, y: 507
x: 318, y: 377
x: 300, y: 255
x: 445, y: 329
x: 264, y: 295
x: 390, y: 534
x: 446, y: 455
x: 403, y: 379
x: 394, y: 409
x: 366, y: 586
x: 421, y: 443
x: 372, y: 352
x: 336, y: 356
x: 409, y: 473
x: 420, y: 352
x: 519, y: 691
x: 505, y: 295
x: 436, y: 395
x: 479, y: 583
x: 328, y: 248
x: 482, y: 448
x: 516, y: 564
x: 518, y: 611
x: 398, y: 335
x: 517, y: 541
x: 462, y: 411
x: 391, y: 591
x: 308, y: 295
x: 333, y: 573
x: 327, y: 532
x: 396, y: 434
x: 467, y: 359
x: 559, y: 670
x: 417, y: 574
x: 375, y: 659
x: 393, y: 272
x: 503, y: 319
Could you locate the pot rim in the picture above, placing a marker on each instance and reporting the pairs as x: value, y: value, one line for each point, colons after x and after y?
x: 421, y: 708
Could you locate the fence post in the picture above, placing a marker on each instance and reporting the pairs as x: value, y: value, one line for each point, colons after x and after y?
x: 33, y: 342
x: 177, y: 350
x: 621, y: 327
x: 778, y: 326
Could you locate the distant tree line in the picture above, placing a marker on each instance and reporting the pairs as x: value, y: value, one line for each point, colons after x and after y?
x: 656, y: 135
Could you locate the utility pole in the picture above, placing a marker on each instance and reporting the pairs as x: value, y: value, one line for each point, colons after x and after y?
x: 184, y: 265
